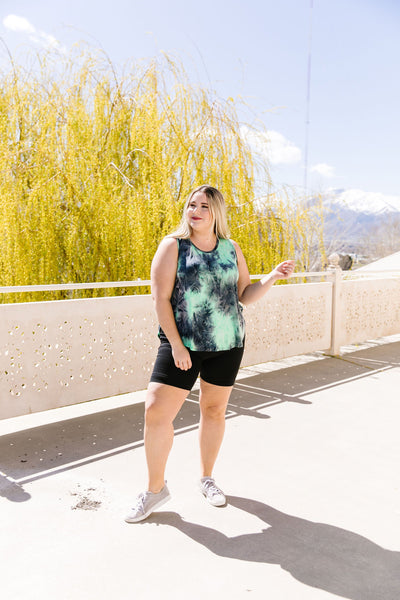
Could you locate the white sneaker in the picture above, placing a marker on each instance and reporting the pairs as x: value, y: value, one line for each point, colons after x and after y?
x: 211, y: 491
x: 146, y: 503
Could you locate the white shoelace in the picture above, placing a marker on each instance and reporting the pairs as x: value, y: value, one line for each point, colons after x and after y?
x: 140, y: 502
x: 212, y: 489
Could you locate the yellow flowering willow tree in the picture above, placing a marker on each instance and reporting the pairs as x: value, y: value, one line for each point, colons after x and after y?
x: 96, y: 167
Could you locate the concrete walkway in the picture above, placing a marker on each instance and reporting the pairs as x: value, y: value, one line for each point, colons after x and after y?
x: 311, y: 463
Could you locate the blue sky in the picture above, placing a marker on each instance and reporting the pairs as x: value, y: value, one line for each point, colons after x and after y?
x: 258, y: 50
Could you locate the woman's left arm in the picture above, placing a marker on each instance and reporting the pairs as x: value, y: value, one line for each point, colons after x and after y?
x: 251, y: 292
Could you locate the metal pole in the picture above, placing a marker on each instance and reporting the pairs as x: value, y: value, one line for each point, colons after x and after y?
x: 308, y: 96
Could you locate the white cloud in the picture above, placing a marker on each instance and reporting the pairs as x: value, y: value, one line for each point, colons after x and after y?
x: 19, y: 24
x: 46, y: 40
x: 22, y: 25
x: 323, y: 169
x: 272, y: 146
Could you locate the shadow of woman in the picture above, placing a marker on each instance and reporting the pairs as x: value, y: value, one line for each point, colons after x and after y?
x: 316, y: 554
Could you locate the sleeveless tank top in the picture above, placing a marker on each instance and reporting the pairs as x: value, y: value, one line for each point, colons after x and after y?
x: 205, y: 301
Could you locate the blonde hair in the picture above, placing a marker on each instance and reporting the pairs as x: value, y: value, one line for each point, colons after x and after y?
x: 217, y: 207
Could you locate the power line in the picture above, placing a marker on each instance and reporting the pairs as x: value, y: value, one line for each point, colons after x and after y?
x: 308, y: 95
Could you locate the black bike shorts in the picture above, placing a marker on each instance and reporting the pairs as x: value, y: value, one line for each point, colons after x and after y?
x: 218, y: 368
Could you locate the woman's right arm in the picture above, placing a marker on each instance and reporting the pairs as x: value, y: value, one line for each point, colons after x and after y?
x: 163, y: 274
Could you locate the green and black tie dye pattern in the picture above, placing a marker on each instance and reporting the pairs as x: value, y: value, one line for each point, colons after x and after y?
x: 205, y: 298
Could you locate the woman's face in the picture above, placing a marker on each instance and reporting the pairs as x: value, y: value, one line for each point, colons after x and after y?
x: 198, y: 213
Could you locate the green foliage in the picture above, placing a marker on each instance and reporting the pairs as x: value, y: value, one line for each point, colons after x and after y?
x: 96, y: 167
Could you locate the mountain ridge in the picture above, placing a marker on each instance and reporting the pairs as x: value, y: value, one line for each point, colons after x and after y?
x: 352, y: 218
x: 364, y: 202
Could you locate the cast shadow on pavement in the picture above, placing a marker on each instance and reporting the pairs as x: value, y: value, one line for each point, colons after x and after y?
x: 39, y: 452
x: 298, y: 383
x: 316, y: 554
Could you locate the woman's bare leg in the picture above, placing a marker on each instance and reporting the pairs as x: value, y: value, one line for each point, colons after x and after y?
x: 163, y: 403
x: 213, y: 402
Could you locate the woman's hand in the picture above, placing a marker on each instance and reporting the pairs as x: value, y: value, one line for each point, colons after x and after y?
x: 251, y: 292
x: 182, y: 358
x: 284, y: 269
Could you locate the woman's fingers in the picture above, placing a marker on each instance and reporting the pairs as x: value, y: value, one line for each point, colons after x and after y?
x: 185, y: 366
x: 182, y: 359
x: 286, y: 268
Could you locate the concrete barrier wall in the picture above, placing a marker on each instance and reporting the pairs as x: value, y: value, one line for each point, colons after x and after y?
x: 368, y: 309
x: 60, y: 353
x: 55, y: 354
x: 289, y: 320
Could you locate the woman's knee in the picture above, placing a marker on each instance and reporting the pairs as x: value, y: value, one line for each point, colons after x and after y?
x: 162, y: 406
x: 154, y: 414
x: 213, y: 412
x: 213, y: 400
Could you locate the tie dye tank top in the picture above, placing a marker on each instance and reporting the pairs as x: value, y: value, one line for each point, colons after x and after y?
x: 205, y: 297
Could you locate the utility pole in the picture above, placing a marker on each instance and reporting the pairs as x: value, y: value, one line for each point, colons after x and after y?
x: 308, y: 95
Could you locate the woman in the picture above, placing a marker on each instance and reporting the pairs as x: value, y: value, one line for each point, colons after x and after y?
x: 199, y: 281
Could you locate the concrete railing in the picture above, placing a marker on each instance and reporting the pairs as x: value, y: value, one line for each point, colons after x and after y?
x: 59, y: 353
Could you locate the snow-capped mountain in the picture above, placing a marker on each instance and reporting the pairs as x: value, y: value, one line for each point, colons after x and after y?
x: 355, y: 221
x: 368, y: 203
